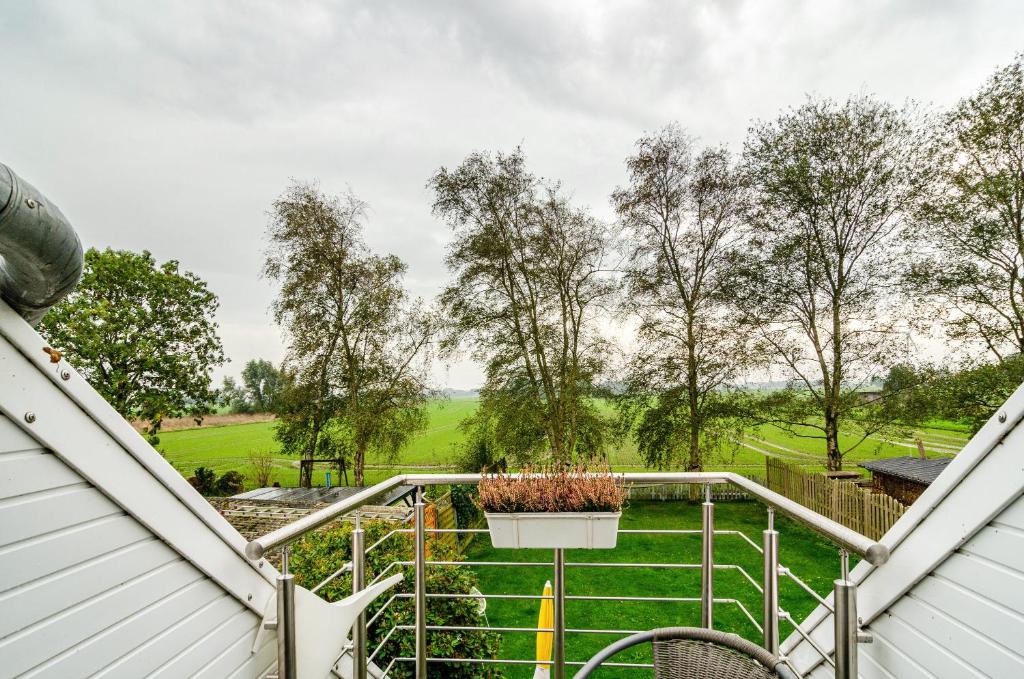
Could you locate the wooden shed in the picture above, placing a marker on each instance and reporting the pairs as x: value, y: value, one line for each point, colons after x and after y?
x: 905, y: 478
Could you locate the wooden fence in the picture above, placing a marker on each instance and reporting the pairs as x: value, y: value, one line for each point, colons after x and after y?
x: 845, y: 502
x: 665, y: 491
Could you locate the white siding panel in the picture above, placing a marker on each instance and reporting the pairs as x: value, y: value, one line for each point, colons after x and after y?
x: 985, y: 578
x: 60, y: 591
x: 239, y: 624
x: 238, y: 660
x: 32, y: 471
x: 900, y: 647
x: 171, y: 643
x: 989, y: 619
x: 28, y: 516
x: 13, y: 439
x: 39, y: 557
x: 1001, y: 544
x: 28, y: 648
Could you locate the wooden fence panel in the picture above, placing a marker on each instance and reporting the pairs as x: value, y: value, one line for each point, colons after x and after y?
x: 845, y: 502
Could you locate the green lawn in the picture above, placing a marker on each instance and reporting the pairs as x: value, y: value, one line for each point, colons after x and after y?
x: 809, y: 556
x: 228, y: 447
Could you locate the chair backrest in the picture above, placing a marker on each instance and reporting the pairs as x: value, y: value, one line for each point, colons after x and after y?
x: 698, y: 653
x: 692, y: 659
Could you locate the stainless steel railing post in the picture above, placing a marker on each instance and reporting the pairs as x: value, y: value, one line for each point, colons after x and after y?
x: 770, y: 621
x: 358, y: 584
x: 421, y: 587
x: 286, y: 660
x: 707, y: 561
x: 846, y: 623
x: 558, y: 638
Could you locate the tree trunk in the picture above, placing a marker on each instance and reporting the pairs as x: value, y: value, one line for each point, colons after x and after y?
x: 306, y: 471
x: 358, y: 463
x: 835, y: 458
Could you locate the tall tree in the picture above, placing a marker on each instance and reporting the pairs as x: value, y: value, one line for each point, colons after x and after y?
x: 356, y: 343
x: 528, y: 276
x: 971, y: 265
x: 679, y: 215
x: 263, y: 384
x: 833, y: 183
x: 143, y: 334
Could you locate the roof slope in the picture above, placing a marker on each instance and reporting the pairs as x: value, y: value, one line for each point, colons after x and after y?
x: 909, y: 467
x: 112, y: 564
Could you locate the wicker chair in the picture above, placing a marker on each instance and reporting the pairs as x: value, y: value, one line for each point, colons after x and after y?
x: 698, y: 653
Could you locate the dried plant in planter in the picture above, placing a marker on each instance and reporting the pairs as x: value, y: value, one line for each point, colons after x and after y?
x: 553, y: 490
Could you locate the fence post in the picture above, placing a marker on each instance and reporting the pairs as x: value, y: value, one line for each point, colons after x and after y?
x: 358, y: 583
x: 707, y: 562
x: 286, y: 660
x: 771, y: 586
x: 558, y: 636
x: 846, y: 629
x: 421, y: 587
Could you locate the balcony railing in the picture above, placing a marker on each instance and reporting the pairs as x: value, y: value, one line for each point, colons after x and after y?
x: 847, y: 633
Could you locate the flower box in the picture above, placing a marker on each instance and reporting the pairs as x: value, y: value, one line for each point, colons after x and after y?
x: 554, y: 530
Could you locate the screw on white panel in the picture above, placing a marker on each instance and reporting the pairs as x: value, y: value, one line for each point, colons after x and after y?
x: 31, y: 203
x: 30, y: 417
x: 65, y: 375
x: 1002, y: 417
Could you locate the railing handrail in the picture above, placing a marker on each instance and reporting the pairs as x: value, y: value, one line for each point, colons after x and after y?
x: 873, y: 552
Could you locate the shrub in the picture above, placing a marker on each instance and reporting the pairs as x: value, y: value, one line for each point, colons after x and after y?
x: 553, y: 490
x: 230, y: 483
x: 322, y: 553
x: 464, y: 501
x: 261, y: 464
x: 206, y: 482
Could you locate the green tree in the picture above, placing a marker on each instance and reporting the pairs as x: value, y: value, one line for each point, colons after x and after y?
x: 833, y: 184
x: 263, y: 384
x: 357, y: 352
x: 529, y: 275
x: 970, y: 271
x: 679, y: 216
x: 143, y: 334
x: 234, y: 397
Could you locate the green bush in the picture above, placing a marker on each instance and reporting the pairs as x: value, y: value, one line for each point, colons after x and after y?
x: 322, y: 553
x: 466, y: 510
x: 206, y: 482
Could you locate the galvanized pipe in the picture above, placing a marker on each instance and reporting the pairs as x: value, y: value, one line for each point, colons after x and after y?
x: 707, y: 561
x: 358, y: 584
x: 558, y: 637
x: 770, y: 619
x: 287, y: 661
x: 40, y: 254
x: 421, y: 587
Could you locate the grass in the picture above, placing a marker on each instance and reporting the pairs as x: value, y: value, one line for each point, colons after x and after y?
x: 812, y: 558
x: 228, y: 447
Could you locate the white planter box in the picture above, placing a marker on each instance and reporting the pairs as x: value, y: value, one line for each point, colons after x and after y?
x: 555, y: 530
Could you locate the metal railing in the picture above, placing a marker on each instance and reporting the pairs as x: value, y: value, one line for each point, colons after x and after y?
x: 847, y: 632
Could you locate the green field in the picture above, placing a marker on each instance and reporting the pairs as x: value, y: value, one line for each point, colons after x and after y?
x: 812, y: 558
x: 228, y: 447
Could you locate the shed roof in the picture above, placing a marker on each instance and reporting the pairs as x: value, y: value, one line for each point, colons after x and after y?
x: 909, y: 467
x: 313, y: 496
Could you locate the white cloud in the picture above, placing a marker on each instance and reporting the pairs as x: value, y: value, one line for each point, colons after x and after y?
x: 172, y: 125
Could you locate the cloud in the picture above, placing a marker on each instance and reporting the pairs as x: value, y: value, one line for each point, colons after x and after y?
x: 172, y: 125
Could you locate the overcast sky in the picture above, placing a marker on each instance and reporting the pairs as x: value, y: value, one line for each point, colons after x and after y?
x: 171, y: 126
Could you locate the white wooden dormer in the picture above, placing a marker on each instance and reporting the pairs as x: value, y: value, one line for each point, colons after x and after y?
x: 111, y: 564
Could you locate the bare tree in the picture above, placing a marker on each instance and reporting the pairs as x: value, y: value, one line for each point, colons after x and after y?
x: 679, y: 215
x: 971, y: 266
x: 833, y: 183
x: 355, y: 367
x: 528, y: 275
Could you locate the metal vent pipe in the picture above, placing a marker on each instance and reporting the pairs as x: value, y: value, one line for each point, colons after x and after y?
x: 40, y: 254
